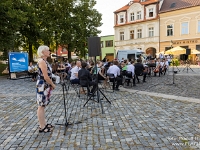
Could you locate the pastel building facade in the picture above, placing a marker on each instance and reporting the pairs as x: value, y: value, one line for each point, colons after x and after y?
x: 136, y: 26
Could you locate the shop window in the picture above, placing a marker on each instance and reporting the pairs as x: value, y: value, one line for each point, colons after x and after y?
x: 197, y: 47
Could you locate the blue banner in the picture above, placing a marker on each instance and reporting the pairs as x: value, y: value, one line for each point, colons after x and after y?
x: 18, y: 62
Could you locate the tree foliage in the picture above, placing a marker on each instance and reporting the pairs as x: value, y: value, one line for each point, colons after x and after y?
x: 29, y: 23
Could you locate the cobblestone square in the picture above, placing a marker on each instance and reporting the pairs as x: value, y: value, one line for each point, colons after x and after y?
x: 135, y: 119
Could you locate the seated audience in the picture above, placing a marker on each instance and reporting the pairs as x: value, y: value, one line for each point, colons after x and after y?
x: 32, y: 71
x: 131, y: 69
x: 74, y: 73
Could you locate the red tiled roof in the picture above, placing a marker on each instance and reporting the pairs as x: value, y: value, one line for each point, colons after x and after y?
x: 149, y: 2
x: 123, y: 8
x: 135, y: 1
x: 178, y: 4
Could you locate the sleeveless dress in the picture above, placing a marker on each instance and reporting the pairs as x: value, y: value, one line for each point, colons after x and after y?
x: 43, y: 89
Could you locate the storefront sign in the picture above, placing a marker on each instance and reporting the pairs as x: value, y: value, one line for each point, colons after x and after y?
x: 186, y: 42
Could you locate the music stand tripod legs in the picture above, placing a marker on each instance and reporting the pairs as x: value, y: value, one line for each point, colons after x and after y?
x: 188, y: 66
x: 98, y: 100
x: 66, y: 124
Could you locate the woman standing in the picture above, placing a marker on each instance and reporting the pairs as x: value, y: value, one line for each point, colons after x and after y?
x: 44, y: 86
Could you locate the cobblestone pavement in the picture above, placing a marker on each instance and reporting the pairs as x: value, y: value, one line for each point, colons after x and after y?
x: 185, y: 84
x: 132, y: 121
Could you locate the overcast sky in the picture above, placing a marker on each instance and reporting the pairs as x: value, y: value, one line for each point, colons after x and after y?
x: 106, y: 8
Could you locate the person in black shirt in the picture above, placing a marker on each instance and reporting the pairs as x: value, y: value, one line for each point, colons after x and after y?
x: 86, y: 79
x: 139, y: 70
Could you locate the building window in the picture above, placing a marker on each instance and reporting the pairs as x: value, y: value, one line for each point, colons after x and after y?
x: 139, y: 33
x: 199, y: 26
x: 121, y: 18
x: 101, y: 44
x: 121, y: 36
x: 169, y: 30
x: 184, y: 28
x: 109, y: 43
x: 151, y: 32
x: 198, y: 47
x: 132, y: 17
x: 138, y: 15
x: 151, y: 12
x: 132, y: 34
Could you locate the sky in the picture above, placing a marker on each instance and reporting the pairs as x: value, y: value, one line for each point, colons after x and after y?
x: 106, y: 8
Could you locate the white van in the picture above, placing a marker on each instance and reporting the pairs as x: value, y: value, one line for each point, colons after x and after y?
x: 130, y: 54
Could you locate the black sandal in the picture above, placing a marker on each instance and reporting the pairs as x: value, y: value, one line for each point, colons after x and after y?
x: 45, y: 130
x: 49, y: 126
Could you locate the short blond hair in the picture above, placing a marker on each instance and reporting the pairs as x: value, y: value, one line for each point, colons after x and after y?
x: 41, y: 49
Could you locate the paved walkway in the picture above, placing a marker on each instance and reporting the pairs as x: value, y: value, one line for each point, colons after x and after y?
x: 142, y: 117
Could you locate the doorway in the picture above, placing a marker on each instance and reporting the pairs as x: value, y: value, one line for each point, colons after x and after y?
x: 110, y: 56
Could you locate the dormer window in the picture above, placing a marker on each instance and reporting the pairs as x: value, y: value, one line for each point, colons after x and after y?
x: 132, y: 17
x: 121, y: 18
x: 151, y: 12
x: 138, y: 15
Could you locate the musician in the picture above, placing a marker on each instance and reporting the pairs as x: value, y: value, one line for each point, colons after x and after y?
x: 100, y: 73
x: 158, y: 69
x: 114, y: 69
x: 139, y: 70
x: 61, y: 71
x: 165, y: 65
x: 86, y: 79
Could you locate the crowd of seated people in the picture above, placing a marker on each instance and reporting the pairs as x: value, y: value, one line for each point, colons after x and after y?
x: 120, y: 69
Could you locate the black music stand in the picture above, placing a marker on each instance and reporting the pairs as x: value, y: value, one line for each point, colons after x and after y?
x: 66, y: 124
x: 97, y: 90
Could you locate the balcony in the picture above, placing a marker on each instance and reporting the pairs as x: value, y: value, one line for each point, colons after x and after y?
x: 137, y: 41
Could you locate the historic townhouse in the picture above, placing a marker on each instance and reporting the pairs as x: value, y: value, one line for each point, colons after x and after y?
x: 180, y: 24
x: 137, y: 26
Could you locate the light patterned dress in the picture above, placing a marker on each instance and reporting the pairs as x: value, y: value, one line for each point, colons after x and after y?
x: 43, y: 89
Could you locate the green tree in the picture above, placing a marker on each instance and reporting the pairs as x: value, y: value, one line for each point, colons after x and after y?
x: 12, y: 17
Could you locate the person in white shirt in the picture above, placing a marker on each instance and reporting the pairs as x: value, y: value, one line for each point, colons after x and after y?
x: 74, y: 73
x: 32, y: 71
x: 131, y: 68
x: 114, y: 69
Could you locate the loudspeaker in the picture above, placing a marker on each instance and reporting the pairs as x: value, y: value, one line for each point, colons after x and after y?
x: 188, y: 51
x: 94, y: 46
